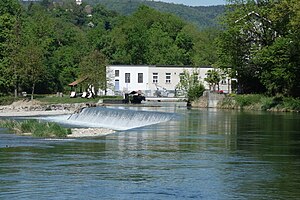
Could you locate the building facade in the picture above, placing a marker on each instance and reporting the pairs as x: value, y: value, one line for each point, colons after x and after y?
x: 151, y: 79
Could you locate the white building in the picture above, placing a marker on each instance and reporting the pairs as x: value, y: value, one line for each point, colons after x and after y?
x: 153, y: 78
x: 78, y: 2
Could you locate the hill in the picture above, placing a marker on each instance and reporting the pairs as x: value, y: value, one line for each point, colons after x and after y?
x: 201, y: 16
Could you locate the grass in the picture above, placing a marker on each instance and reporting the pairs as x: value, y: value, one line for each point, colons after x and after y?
x: 53, y: 99
x: 6, y: 100
x: 36, y: 128
x: 261, y: 102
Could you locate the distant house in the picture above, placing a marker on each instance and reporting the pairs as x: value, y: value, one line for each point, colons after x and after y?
x: 78, y: 2
x: 256, y: 28
x: 152, y: 78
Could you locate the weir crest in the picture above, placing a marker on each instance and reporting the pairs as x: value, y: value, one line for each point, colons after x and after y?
x: 117, y: 119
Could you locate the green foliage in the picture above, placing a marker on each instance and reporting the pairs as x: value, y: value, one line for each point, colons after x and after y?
x: 36, y: 128
x: 261, y: 102
x: 190, y: 85
x: 151, y: 37
x: 6, y: 100
x: 213, y: 77
x: 292, y: 103
x: 46, y: 45
x: 247, y: 100
x: 261, y: 43
x: 203, y: 17
x: 66, y: 99
x: 195, y: 92
x: 93, y: 67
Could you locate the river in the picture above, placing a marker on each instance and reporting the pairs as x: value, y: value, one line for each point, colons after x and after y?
x: 202, y: 154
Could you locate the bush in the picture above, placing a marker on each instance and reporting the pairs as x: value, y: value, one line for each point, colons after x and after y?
x: 195, y: 92
x: 291, y: 104
x: 267, y: 103
x: 247, y: 100
x: 6, y: 100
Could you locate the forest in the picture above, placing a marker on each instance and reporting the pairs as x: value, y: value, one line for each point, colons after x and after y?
x: 45, y: 45
x: 201, y: 16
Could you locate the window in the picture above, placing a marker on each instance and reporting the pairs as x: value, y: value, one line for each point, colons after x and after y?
x: 155, y: 78
x: 196, y: 77
x: 117, y: 72
x: 140, y: 77
x: 127, y: 77
x: 168, y: 77
x: 181, y: 76
x: 223, y: 82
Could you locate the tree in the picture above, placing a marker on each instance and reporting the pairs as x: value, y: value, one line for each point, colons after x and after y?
x: 213, y: 78
x: 190, y: 85
x: 150, y: 37
x: 32, y: 65
x: 10, y: 12
x: 93, y: 67
x: 205, y: 47
x: 261, y: 43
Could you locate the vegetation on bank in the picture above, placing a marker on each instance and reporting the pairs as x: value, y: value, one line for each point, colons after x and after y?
x: 36, y: 128
x: 52, y: 99
x: 260, y: 44
x: 261, y: 102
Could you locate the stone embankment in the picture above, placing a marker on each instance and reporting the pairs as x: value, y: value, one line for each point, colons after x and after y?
x: 209, y: 100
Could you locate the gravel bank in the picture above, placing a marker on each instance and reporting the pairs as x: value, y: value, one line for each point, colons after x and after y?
x: 89, y: 132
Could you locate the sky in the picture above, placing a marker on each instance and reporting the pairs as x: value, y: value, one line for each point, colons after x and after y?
x: 196, y: 2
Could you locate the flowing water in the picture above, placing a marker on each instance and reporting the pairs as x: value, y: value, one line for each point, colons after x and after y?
x: 117, y: 119
x: 204, y: 154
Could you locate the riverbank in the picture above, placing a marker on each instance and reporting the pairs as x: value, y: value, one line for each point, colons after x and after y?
x: 37, y: 128
x: 37, y: 108
x: 26, y: 108
x: 254, y: 102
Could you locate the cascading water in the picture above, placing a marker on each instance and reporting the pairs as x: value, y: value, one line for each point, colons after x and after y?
x: 117, y: 119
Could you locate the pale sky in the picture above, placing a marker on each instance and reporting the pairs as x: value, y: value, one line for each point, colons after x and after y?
x: 196, y: 2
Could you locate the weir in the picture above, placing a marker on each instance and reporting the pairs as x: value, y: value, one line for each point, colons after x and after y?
x: 117, y: 119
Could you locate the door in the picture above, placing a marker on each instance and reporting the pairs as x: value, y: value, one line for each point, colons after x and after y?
x: 117, y: 85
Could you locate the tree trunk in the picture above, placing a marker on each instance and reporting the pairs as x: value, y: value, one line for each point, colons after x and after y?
x: 32, y: 91
x: 16, y: 92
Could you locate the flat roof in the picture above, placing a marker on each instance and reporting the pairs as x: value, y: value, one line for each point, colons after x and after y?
x: 161, y: 66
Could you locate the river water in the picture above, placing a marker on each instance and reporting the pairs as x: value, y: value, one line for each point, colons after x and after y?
x: 202, y: 154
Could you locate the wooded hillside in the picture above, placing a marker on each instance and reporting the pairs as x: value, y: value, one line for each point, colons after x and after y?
x: 202, y: 16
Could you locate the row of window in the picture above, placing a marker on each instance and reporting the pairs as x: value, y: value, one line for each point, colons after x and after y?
x: 141, y: 77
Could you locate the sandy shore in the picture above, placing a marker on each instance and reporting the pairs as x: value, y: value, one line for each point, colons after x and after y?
x: 90, y: 132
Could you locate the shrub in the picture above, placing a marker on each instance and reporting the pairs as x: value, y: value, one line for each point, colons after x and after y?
x: 6, y: 100
x: 291, y: 103
x: 267, y: 103
x: 247, y: 100
x: 195, y: 92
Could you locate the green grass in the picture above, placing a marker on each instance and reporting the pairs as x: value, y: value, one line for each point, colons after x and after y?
x: 53, y: 99
x: 6, y: 100
x: 50, y: 99
x: 247, y: 100
x: 261, y: 102
x: 36, y: 128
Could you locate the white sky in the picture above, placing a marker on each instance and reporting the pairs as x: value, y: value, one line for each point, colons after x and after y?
x: 196, y: 2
